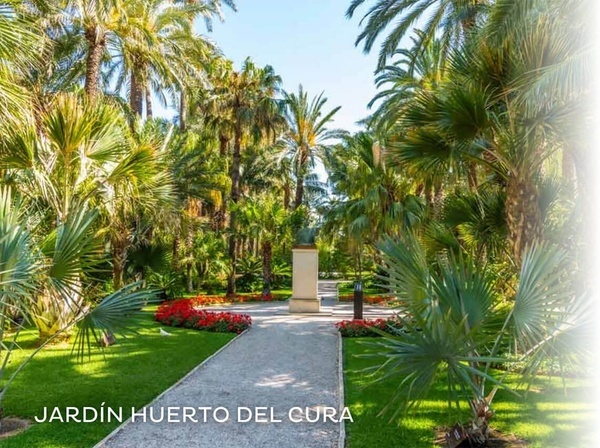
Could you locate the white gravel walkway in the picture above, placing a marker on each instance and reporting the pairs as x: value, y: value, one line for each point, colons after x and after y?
x: 285, y: 361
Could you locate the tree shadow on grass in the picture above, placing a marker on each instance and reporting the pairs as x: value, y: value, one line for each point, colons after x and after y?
x: 545, y: 416
x: 128, y: 374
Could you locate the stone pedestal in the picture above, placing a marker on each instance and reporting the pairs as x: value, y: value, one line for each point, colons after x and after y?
x: 305, y: 277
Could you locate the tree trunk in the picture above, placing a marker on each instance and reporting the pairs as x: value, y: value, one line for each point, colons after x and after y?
x: 267, y: 258
x: 175, y: 252
x: 223, y: 145
x: 429, y: 197
x: 96, y: 47
x: 301, y: 168
x: 286, y: 197
x: 235, y: 194
x: 119, y: 252
x: 148, y: 104
x: 472, y: 177
x: 201, y: 270
x: 523, y: 216
x: 299, y: 192
x: 419, y: 189
x: 182, y: 111
x: 221, y: 215
x: 136, y: 94
x: 438, y: 198
x: 188, y: 277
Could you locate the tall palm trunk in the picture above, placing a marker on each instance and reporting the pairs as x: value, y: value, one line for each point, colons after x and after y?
x: 267, y: 259
x: 301, y: 171
x: 299, y: 192
x: 235, y: 194
x: 136, y: 94
x: 148, y: 103
x: 188, y: 277
x: 189, y: 243
x: 472, y: 177
x: 286, y: 196
x: 182, y: 111
x: 220, y: 214
x: 96, y: 46
x: 523, y: 215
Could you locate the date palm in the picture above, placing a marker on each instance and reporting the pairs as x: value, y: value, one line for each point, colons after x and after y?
x: 156, y: 49
x: 456, y: 19
x: 95, y: 21
x: 245, y: 101
x: 307, y: 133
x: 19, y: 50
x: 413, y: 71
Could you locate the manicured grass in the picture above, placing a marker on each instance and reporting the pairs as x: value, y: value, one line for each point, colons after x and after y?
x: 545, y: 417
x: 133, y: 372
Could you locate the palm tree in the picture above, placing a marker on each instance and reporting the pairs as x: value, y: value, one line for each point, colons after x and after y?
x: 457, y: 18
x: 484, y: 113
x: 416, y: 70
x: 157, y: 50
x: 370, y: 200
x: 82, y: 152
x: 139, y: 187
x: 216, y: 8
x: 19, y: 50
x: 54, y: 265
x: 266, y: 219
x: 95, y: 21
x: 457, y: 327
x: 565, y: 77
x: 245, y: 100
x: 307, y: 133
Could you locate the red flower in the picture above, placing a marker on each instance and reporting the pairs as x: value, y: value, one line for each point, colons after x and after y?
x: 183, y: 313
x: 363, y: 328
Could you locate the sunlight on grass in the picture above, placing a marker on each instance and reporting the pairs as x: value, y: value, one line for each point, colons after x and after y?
x: 546, y: 419
x: 129, y: 374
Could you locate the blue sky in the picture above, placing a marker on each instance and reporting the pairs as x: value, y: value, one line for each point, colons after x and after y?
x: 308, y: 42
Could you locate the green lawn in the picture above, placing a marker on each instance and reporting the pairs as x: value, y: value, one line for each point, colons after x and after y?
x: 133, y: 372
x: 545, y: 417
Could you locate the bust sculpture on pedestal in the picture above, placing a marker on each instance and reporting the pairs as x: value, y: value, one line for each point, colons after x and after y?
x: 305, y: 274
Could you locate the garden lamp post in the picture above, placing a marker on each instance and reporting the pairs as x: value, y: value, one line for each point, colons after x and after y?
x: 358, y: 301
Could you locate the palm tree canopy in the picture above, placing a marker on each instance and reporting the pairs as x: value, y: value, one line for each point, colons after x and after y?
x: 455, y: 18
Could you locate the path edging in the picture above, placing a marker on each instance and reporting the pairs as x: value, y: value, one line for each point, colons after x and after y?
x: 102, y: 443
x: 342, y: 436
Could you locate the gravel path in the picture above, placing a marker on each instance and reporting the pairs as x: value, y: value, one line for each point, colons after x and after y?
x: 284, y: 361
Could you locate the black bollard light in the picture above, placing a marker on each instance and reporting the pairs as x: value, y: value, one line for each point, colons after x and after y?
x: 358, y: 301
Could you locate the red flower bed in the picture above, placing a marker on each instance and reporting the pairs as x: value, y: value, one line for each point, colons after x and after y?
x: 182, y: 313
x: 363, y: 328
x: 371, y: 300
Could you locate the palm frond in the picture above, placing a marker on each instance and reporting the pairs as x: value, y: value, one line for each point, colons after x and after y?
x: 114, y: 314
